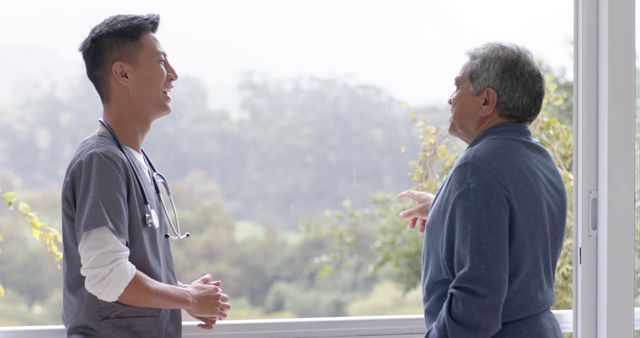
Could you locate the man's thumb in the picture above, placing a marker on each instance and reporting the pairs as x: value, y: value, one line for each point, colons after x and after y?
x: 205, y: 279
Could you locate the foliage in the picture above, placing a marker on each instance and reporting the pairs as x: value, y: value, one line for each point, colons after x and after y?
x: 12, y: 311
x: 559, y: 95
x: 387, y: 299
x: 50, y: 237
x: 310, y: 302
x: 558, y: 138
x: 259, y: 268
x: 436, y: 155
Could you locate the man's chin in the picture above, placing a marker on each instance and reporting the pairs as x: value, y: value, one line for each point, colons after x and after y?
x: 166, y: 110
x: 162, y: 113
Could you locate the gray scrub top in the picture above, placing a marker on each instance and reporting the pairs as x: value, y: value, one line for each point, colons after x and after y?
x: 100, y: 189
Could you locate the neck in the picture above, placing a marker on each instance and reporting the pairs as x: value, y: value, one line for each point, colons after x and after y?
x: 128, y: 126
x: 485, y: 124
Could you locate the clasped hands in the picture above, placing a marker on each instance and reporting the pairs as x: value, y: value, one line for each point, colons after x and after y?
x: 209, y: 303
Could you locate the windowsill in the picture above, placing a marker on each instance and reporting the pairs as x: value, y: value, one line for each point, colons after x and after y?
x: 335, y: 327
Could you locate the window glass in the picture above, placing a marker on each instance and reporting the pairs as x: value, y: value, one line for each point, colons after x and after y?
x: 294, y: 126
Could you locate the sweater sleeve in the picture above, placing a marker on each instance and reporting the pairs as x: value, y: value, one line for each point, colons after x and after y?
x: 476, y: 252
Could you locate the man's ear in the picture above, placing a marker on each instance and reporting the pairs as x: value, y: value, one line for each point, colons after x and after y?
x: 120, y: 72
x: 490, y: 101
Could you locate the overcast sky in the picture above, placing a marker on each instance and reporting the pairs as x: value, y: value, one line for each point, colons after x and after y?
x: 411, y: 48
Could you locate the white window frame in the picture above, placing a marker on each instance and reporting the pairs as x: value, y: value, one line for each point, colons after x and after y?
x: 604, y: 112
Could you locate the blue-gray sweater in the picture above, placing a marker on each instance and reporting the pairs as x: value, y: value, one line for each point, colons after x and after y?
x: 493, y: 238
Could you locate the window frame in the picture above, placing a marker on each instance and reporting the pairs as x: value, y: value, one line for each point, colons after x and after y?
x: 604, y: 111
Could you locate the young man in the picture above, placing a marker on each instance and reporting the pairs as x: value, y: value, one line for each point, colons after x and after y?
x: 495, y: 228
x: 119, y: 277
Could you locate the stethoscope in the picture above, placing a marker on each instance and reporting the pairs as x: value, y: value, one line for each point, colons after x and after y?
x: 150, y: 215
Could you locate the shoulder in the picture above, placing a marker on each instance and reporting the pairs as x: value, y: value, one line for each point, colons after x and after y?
x: 473, y: 170
x: 505, y: 153
x: 483, y: 167
x: 494, y: 148
x: 98, y: 154
x: 99, y: 147
x: 498, y: 148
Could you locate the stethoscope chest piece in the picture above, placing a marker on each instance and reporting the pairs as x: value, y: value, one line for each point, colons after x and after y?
x: 151, y: 217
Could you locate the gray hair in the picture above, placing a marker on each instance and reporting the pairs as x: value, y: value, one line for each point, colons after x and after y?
x: 511, y: 71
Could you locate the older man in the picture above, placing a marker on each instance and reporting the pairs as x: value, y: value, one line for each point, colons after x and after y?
x: 494, y: 230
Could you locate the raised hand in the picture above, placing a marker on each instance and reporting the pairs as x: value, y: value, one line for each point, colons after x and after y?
x: 419, y: 213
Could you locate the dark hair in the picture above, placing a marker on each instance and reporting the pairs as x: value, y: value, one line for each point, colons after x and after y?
x: 511, y: 71
x: 114, y: 39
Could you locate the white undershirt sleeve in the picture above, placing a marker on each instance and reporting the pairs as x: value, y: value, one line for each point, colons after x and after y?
x: 105, y: 264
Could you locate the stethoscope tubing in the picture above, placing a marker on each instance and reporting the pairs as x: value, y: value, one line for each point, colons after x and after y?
x: 151, y: 218
x: 121, y: 147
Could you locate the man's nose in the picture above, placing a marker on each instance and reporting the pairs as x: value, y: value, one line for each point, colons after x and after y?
x: 449, y: 101
x: 173, y: 75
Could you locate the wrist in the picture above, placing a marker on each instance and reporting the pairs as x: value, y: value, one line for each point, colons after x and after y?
x: 188, y: 297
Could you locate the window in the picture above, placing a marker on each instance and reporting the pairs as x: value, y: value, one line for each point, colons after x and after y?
x: 284, y: 109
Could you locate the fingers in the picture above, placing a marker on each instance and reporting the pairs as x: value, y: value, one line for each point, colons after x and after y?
x: 419, y: 211
x: 415, y: 221
x: 420, y: 197
x: 207, y: 323
x: 205, y: 326
x: 410, y: 194
x: 209, y: 301
x: 204, y: 279
x: 222, y: 305
x: 222, y: 314
x: 208, y: 279
x: 412, y: 224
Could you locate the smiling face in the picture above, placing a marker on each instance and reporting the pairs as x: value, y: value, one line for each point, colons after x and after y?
x: 151, y: 78
x: 465, y: 110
